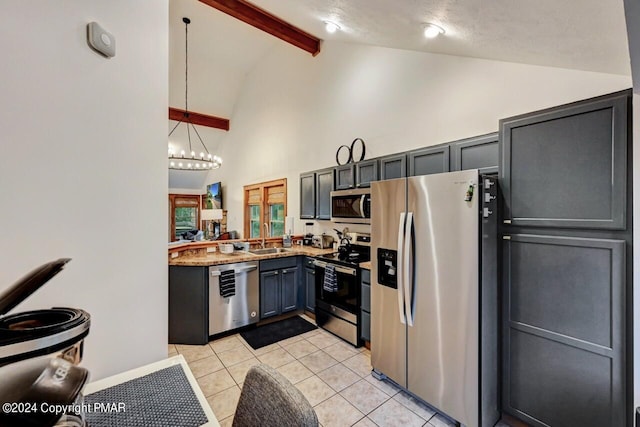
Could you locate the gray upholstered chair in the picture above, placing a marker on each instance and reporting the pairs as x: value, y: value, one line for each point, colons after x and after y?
x: 269, y: 399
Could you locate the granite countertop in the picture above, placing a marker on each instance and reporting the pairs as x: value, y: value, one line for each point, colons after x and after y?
x: 215, y: 258
x: 366, y: 265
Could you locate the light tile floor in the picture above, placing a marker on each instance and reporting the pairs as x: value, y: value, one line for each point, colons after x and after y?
x: 334, y: 376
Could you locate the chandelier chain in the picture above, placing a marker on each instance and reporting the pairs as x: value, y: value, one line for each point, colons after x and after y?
x: 191, y: 161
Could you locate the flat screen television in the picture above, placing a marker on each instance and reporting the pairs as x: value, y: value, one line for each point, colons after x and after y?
x: 213, y: 199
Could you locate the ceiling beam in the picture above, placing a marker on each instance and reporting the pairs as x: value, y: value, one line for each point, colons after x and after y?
x: 198, y: 119
x: 259, y: 18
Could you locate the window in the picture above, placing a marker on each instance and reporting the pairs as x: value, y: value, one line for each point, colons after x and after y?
x: 184, y: 212
x: 265, y: 203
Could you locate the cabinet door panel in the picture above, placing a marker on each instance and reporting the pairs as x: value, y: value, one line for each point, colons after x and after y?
x: 394, y: 166
x: 324, y: 187
x: 366, y: 325
x: 310, y: 288
x: 345, y: 177
x: 366, y: 172
x: 308, y: 195
x: 480, y: 153
x: 429, y: 160
x: 188, y: 305
x: 564, y: 334
x: 566, y: 167
x: 269, y: 294
x: 289, y: 289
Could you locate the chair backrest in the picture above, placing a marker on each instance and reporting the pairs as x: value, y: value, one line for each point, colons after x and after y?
x: 269, y: 399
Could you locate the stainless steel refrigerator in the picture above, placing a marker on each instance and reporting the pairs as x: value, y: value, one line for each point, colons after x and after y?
x: 434, y: 308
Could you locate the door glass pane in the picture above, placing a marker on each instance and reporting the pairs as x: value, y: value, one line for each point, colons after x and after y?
x: 254, y: 219
x: 185, y: 220
x: 276, y: 215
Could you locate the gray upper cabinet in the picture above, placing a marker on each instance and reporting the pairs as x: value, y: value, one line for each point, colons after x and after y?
x: 308, y: 195
x: 324, y: 187
x: 345, y: 176
x: 567, y: 166
x: 393, y: 166
x: 481, y: 152
x: 429, y: 160
x: 366, y: 172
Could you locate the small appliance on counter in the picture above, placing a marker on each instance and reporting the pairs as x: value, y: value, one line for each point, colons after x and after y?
x: 307, y: 240
x: 322, y: 241
x: 33, y: 377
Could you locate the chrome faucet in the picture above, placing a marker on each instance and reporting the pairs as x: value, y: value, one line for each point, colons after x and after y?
x: 266, y: 231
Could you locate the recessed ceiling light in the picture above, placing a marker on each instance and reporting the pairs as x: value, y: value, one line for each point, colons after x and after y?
x: 331, y: 27
x: 432, y: 31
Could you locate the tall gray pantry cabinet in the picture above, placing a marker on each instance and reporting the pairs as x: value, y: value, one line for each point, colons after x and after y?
x: 565, y: 174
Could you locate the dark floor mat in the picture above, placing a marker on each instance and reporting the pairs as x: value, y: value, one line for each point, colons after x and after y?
x: 162, y: 398
x: 273, y: 332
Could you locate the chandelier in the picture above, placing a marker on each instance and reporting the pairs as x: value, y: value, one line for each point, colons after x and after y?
x: 190, y: 160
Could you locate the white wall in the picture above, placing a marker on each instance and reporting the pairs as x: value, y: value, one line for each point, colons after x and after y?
x: 295, y: 110
x: 83, y: 168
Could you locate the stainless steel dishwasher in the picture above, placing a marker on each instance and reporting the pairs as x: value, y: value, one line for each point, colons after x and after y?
x: 241, y: 309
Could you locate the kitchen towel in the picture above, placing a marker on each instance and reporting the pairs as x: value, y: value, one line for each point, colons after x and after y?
x: 227, y: 283
x: 330, y: 283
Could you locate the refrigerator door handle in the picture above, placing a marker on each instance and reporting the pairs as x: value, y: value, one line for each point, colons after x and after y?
x: 400, y: 269
x: 406, y: 269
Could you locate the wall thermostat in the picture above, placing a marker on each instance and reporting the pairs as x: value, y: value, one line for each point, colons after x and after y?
x: 101, y: 40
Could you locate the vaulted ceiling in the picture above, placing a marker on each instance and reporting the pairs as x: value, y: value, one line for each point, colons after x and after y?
x: 586, y: 35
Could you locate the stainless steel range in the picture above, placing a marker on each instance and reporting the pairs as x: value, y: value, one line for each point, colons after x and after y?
x: 338, y: 288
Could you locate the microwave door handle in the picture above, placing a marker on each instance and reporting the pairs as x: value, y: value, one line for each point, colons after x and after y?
x: 362, y: 205
x: 400, y: 271
x: 407, y: 270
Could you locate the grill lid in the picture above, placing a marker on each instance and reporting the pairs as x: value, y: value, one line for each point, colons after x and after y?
x: 30, y: 283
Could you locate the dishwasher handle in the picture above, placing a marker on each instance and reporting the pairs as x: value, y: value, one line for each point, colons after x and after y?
x: 237, y: 270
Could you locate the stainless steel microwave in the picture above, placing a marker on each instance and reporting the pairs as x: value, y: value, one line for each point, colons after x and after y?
x: 351, y: 206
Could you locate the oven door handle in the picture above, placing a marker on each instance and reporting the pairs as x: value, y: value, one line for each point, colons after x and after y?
x: 400, y: 267
x: 339, y: 268
x: 362, y: 205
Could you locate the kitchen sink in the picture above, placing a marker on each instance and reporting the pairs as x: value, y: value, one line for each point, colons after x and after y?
x: 269, y: 251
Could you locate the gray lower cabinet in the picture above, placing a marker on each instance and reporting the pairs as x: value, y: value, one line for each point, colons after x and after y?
x: 366, y: 172
x: 393, y: 166
x: 279, y: 283
x: 188, y: 305
x: 289, y: 283
x: 324, y: 187
x: 365, y: 305
x: 345, y: 176
x: 308, y: 195
x: 480, y: 152
x: 564, y: 334
x: 429, y: 160
x: 309, y: 285
x: 270, y: 294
